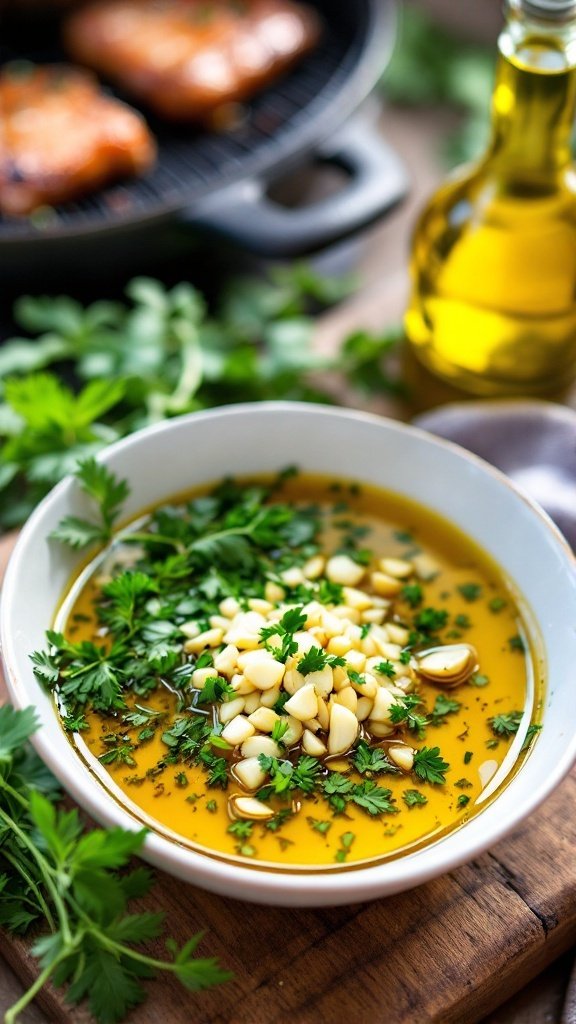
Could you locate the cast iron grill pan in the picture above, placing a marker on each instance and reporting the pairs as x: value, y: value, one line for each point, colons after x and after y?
x: 280, y: 125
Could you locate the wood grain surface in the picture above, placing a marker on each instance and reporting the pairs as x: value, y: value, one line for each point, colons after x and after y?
x: 447, y: 952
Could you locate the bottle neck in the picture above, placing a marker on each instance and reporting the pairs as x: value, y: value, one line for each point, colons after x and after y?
x: 534, y: 100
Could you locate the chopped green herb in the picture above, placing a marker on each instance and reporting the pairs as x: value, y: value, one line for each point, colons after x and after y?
x: 429, y: 766
x: 316, y: 659
x: 462, y: 801
x: 443, y: 706
x: 368, y: 760
x: 403, y: 537
x: 402, y: 712
x: 279, y: 731
x: 107, y: 492
x: 430, y: 620
x: 478, y: 680
x: 373, y: 799
x: 516, y: 643
x: 320, y: 825
x: 462, y: 622
x: 531, y: 732
x: 291, y: 622
x: 470, y: 591
x: 72, y: 887
x: 414, y: 798
x: 413, y: 594
x: 216, y: 689
x: 242, y: 829
x: 386, y: 668
x: 507, y: 724
x: 463, y: 784
x: 497, y: 604
x: 346, y: 841
x: 468, y: 757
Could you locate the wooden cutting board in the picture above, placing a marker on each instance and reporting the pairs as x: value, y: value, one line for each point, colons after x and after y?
x: 446, y: 953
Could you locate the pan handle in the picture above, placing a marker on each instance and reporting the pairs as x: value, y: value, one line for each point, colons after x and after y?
x: 244, y: 214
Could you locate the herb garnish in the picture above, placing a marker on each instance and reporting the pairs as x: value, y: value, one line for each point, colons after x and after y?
x: 316, y: 659
x: 72, y: 883
x: 429, y: 766
x: 414, y: 798
x: 507, y: 724
x: 443, y: 706
x: 470, y: 591
x: 158, y: 355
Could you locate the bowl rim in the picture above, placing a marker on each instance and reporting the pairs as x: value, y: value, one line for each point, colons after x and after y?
x: 516, y: 408
x: 251, y: 882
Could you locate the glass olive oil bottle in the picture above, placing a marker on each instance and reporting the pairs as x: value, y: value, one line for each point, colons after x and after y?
x: 493, y: 304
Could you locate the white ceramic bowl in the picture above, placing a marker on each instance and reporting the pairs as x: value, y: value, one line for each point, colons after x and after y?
x: 196, y: 449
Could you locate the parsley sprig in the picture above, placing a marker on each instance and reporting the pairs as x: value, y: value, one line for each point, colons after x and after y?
x: 316, y: 659
x: 158, y: 354
x: 430, y: 767
x: 506, y: 725
x: 72, y: 884
x: 309, y: 776
x: 108, y: 494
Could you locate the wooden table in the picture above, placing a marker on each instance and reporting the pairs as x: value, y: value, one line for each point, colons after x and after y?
x: 451, y: 951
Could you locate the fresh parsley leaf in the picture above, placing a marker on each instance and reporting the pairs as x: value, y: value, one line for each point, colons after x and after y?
x: 316, y: 659
x: 462, y: 801
x: 462, y: 621
x: 72, y: 885
x: 414, y: 798
x: 429, y: 766
x: 215, y: 689
x: 15, y: 728
x: 386, y: 668
x: 279, y: 731
x: 430, y: 620
x: 413, y: 594
x: 373, y: 799
x: 478, y: 680
x: 507, y: 724
x: 443, y: 706
x: 107, y: 492
x: 291, y: 622
x: 346, y: 841
x: 367, y: 760
x: 463, y: 784
x: 402, y: 713
x: 320, y: 825
x: 470, y: 591
x: 516, y: 643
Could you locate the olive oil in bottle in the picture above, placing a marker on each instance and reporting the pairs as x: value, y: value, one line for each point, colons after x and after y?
x: 493, y: 303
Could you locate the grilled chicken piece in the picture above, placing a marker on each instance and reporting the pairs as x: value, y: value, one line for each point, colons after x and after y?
x: 185, y: 58
x: 60, y: 137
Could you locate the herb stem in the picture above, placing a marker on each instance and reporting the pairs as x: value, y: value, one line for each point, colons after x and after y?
x: 45, y: 870
x: 42, y: 904
x: 12, y: 1014
x: 158, y: 538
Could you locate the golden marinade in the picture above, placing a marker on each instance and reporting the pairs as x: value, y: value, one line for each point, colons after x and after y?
x: 474, y: 726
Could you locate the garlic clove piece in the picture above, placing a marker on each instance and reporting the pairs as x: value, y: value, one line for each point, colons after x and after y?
x: 448, y: 665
